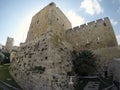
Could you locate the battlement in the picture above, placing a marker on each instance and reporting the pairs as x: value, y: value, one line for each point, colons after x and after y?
x: 92, y: 24
x: 92, y: 35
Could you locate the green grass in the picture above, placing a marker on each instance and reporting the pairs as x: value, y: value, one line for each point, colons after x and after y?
x: 6, y: 77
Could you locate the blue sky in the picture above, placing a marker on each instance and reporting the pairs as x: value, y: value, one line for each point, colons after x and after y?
x: 15, y: 15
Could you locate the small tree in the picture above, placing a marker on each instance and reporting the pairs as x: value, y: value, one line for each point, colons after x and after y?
x: 84, y: 63
x: 1, y: 57
x: 6, y: 57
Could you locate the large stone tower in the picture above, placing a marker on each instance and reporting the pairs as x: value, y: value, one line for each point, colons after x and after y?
x: 43, y: 61
x: 50, y: 18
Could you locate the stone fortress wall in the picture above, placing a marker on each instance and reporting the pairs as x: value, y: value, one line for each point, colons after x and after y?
x: 93, y: 35
x: 38, y: 65
x: 105, y: 58
x: 44, y: 60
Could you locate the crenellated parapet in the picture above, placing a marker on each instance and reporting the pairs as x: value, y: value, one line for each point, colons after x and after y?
x: 92, y: 35
x: 93, y: 24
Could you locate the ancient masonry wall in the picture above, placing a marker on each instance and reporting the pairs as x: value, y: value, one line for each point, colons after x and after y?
x: 39, y: 24
x: 59, y: 23
x: 43, y: 61
x: 93, y: 35
x: 41, y: 64
x: 105, y: 58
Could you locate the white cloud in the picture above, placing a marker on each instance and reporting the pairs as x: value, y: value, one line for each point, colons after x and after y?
x: 118, y: 39
x: 91, y: 6
x: 75, y: 19
x: 114, y: 22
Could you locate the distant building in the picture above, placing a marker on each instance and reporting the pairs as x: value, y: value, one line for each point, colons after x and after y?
x: 9, y: 44
x: 0, y: 46
x: 3, y: 48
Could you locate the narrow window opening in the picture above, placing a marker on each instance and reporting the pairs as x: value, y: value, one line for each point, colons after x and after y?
x: 104, y: 24
x: 37, y: 21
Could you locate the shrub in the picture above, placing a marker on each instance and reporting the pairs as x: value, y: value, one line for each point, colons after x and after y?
x: 84, y: 63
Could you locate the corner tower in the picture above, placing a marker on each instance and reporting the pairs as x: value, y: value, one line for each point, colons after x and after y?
x: 44, y: 50
x: 49, y: 18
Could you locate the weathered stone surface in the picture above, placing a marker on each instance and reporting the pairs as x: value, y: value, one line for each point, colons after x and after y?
x: 42, y: 64
x: 49, y: 18
x: 93, y: 35
x: 105, y: 58
x: 43, y: 61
